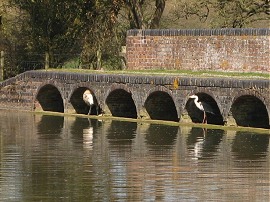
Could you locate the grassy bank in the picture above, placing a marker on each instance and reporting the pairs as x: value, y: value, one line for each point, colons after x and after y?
x: 199, y: 73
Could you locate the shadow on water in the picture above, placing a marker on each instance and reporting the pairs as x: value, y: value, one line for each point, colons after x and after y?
x: 161, y: 135
x: 250, y: 146
x: 204, y: 142
x: 50, y: 127
x: 121, y: 132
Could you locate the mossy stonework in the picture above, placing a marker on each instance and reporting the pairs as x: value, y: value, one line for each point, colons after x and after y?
x: 243, y: 102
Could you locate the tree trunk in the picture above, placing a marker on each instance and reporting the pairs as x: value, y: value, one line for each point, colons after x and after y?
x: 160, y: 6
x: 135, y: 14
x: 99, y: 55
x: 2, y: 62
x: 47, y: 60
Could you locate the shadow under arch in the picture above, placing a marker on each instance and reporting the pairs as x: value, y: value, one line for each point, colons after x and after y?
x: 196, y: 114
x: 248, y: 110
x: 80, y: 106
x: 160, y: 106
x: 121, y: 104
x: 50, y: 99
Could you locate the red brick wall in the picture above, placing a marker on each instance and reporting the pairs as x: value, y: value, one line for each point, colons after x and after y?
x: 244, y: 50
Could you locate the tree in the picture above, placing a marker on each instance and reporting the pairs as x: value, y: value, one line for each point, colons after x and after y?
x: 70, y: 25
x: 100, y: 32
x: 225, y: 13
x: 240, y: 13
x: 11, y: 41
x: 50, y: 26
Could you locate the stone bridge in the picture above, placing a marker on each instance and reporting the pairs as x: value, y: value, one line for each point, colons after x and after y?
x: 243, y: 102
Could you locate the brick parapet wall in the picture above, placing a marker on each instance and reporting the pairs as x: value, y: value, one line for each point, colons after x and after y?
x: 241, y: 50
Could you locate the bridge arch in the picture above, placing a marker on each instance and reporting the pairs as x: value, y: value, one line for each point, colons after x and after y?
x: 196, y: 115
x: 80, y: 107
x: 160, y: 104
x: 120, y: 102
x: 49, y: 98
x: 249, y: 110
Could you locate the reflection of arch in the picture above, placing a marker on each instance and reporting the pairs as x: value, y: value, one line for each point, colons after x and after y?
x: 196, y: 115
x: 160, y: 105
x: 50, y: 99
x: 249, y: 146
x: 121, y: 103
x: 76, y: 99
x: 121, y: 132
x: 248, y: 110
x: 161, y: 135
x: 50, y: 125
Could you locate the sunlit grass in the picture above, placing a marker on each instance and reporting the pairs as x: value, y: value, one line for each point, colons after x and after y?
x: 199, y: 73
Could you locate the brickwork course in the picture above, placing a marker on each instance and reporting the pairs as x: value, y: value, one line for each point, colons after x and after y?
x: 241, y: 50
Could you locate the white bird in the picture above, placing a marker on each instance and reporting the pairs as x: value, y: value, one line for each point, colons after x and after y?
x: 203, y: 107
x: 88, y: 99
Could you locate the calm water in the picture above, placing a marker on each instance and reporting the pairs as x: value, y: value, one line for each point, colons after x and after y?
x: 51, y: 158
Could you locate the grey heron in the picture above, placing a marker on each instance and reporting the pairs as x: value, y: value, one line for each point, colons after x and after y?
x: 203, y: 106
x: 88, y: 99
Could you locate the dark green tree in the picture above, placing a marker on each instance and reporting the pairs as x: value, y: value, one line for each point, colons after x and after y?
x: 51, y: 27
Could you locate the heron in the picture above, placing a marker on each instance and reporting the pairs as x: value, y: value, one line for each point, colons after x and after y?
x: 203, y: 106
x: 88, y: 99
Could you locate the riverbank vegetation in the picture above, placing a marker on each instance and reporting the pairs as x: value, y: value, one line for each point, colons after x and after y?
x: 88, y: 34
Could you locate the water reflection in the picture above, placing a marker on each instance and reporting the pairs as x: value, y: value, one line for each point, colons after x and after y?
x: 50, y: 126
x: 161, y: 135
x: 49, y: 158
x: 203, y: 142
x: 121, y: 132
x: 249, y: 146
x: 82, y: 131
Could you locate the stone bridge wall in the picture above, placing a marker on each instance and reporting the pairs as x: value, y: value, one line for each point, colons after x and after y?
x: 241, y: 102
x: 242, y: 50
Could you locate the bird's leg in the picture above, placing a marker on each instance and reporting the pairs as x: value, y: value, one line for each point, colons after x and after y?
x: 204, y: 117
x: 89, y: 112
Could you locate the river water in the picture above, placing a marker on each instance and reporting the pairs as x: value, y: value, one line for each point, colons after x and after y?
x: 56, y: 158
